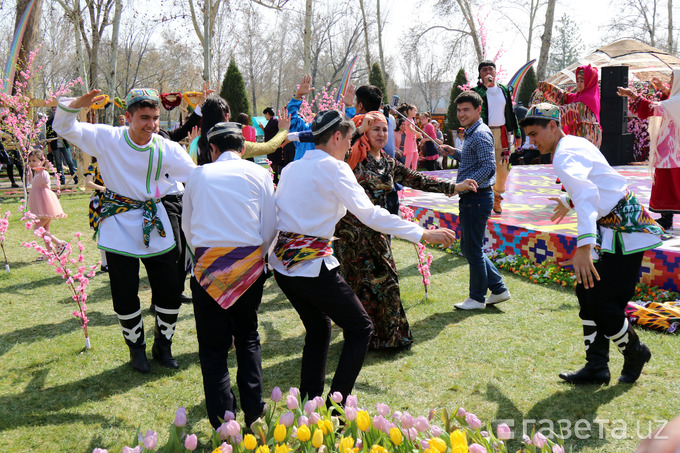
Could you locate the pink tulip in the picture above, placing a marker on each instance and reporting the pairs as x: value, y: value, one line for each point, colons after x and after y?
x: 383, y: 409
x: 396, y: 415
x: 276, y: 395
x: 350, y: 413
x: 222, y: 431
x: 539, y: 440
x: 557, y: 449
x: 461, y: 412
x: 294, y: 391
x: 476, y: 448
x: 424, y: 444
x: 319, y: 401
x: 229, y: 416
x: 303, y: 421
x: 137, y: 449
x: 526, y: 439
x: 292, y: 402
x: 421, y: 424
x: 181, y: 417
x: 407, y: 420
x: 233, y: 428
x: 314, y: 418
x: 226, y: 448
x: 287, y: 419
x: 191, y: 442
x: 99, y: 450
x: 310, y: 406
x: 503, y: 432
x: 351, y: 401
x: 435, y: 430
x: 150, y: 440
x: 379, y: 422
x: 336, y: 397
x: 472, y: 420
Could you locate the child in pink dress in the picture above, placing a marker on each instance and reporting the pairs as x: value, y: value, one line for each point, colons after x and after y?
x: 410, y: 146
x: 42, y: 202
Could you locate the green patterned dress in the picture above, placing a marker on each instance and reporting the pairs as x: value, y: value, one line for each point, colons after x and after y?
x: 365, y: 255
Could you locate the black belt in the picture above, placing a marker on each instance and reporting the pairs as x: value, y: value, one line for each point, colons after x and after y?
x: 479, y: 190
x: 172, y: 198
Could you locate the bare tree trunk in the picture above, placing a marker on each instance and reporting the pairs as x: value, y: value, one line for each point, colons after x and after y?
x: 109, y: 117
x: 671, y: 50
x: 380, y: 46
x: 363, y: 17
x: 466, y: 9
x: 545, y: 40
x: 29, y: 41
x: 307, y: 52
x: 206, y: 41
x: 530, y: 34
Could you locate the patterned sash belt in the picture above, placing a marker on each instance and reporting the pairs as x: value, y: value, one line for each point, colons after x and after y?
x: 226, y: 273
x: 629, y: 216
x: 293, y: 248
x: 114, y: 203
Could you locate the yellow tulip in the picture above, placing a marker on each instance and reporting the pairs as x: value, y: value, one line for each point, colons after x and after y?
x: 395, y: 436
x: 438, y: 444
x: 378, y: 449
x: 262, y: 449
x: 329, y: 426
x: 303, y: 433
x: 281, y: 448
x: 345, y: 443
x: 363, y: 420
x: 459, y: 442
x: 322, y: 426
x: 317, y: 439
x: 249, y: 442
x: 280, y: 433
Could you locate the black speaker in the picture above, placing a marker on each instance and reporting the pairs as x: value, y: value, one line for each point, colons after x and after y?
x: 611, y: 78
x: 617, y: 148
x: 614, y: 115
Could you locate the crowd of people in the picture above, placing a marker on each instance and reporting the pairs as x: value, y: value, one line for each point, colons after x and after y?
x: 323, y: 222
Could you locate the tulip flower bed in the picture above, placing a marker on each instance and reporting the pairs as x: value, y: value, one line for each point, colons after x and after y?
x: 310, y: 426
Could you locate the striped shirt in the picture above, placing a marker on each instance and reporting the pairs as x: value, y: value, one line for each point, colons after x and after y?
x: 477, y: 158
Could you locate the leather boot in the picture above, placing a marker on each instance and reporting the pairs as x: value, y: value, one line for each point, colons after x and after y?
x: 497, y: 199
x: 635, y: 353
x: 133, y: 332
x: 166, y: 320
x: 596, y: 370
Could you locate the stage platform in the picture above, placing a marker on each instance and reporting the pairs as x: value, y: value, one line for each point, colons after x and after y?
x: 524, y: 228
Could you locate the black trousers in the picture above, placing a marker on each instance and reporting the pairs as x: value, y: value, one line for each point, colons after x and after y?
x: 215, y: 327
x: 432, y: 165
x: 173, y: 206
x: 318, y: 300
x: 606, y: 301
x: 124, y: 279
x: 14, y: 159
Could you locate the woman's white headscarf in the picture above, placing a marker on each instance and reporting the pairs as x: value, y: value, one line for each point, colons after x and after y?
x: 670, y: 109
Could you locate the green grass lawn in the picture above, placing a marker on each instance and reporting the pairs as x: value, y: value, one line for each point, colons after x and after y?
x: 501, y: 364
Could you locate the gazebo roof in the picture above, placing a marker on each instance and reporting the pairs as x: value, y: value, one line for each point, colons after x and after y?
x: 643, y: 61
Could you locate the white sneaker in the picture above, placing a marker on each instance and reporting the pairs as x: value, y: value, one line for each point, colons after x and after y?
x: 498, y: 298
x: 470, y: 304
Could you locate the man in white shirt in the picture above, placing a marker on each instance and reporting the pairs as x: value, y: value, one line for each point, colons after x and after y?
x: 229, y: 221
x: 613, y: 229
x: 499, y: 115
x: 134, y: 162
x: 314, y: 193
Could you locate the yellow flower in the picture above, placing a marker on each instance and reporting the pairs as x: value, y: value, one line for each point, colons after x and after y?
x: 280, y: 433
x: 281, y: 448
x: 459, y: 442
x: 322, y: 426
x: 303, y: 433
x: 345, y: 443
x: 363, y: 420
x: 438, y: 444
x: 249, y: 442
x: 329, y: 426
x: 262, y: 449
x: 395, y: 436
x: 378, y: 449
x: 317, y: 439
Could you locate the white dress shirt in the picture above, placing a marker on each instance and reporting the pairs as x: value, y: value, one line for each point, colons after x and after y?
x: 595, y: 188
x: 229, y: 203
x: 496, y: 104
x: 314, y: 193
x: 134, y: 171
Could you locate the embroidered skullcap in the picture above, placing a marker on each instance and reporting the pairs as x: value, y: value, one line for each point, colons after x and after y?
x: 324, y: 120
x: 141, y: 94
x: 223, y: 129
x: 544, y: 110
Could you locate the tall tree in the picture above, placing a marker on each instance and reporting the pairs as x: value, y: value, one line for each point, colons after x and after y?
x: 529, y: 9
x: 671, y: 47
x: 31, y: 34
x: 639, y: 19
x: 366, y: 41
x: 545, y: 40
x: 307, y: 39
x: 234, y: 91
x: 452, y: 123
x: 381, y: 24
x: 376, y: 78
x: 526, y: 89
x: 568, y: 45
x: 113, y: 58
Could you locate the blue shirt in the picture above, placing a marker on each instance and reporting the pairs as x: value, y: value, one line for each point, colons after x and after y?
x: 477, y: 158
x: 297, y: 124
x: 389, y: 146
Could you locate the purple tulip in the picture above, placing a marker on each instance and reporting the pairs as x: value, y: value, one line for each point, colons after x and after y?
x: 396, y: 415
x: 424, y: 444
x: 557, y: 449
x: 526, y: 439
x: 336, y: 397
x: 99, y: 450
x: 359, y: 445
x: 383, y: 409
x: 181, y: 417
x: 229, y: 416
x: 461, y: 412
x: 238, y: 439
x: 319, y: 401
x: 226, y: 448
x: 407, y: 420
x: 293, y: 432
x: 539, y: 440
x: 472, y: 420
x: 351, y: 401
x: 292, y: 402
x: 191, y: 442
x: 222, y: 431
x: 137, y: 449
x: 233, y: 428
x: 314, y: 418
x: 431, y: 415
x: 150, y: 440
x: 503, y: 432
x: 276, y: 394
x: 309, y: 407
x: 350, y: 413
x: 379, y: 422
x: 484, y: 433
x: 476, y: 448
x: 421, y: 424
x: 435, y: 430
x: 294, y: 391
x: 287, y: 419
x: 303, y: 421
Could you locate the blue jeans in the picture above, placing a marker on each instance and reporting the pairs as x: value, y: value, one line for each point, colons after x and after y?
x: 475, y: 209
x: 61, y: 156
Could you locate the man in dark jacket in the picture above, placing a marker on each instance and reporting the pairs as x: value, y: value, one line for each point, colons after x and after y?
x: 498, y: 114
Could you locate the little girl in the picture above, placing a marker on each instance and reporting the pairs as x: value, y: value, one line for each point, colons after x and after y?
x: 42, y: 202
